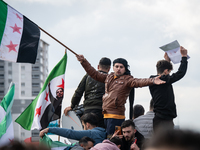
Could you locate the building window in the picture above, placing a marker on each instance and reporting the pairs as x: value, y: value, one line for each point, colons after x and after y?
x: 23, y: 68
x: 23, y: 84
x: 36, y: 68
x: 35, y: 84
x: 22, y: 93
x: 35, y: 93
x: 35, y: 76
x: 1, y: 68
x: 9, y: 81
x: 1, y: 83
x: 1, y: 76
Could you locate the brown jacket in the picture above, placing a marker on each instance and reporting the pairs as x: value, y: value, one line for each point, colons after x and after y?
x: 116, y: 90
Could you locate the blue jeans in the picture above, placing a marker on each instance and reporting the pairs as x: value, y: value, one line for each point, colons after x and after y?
x: 110, y: 124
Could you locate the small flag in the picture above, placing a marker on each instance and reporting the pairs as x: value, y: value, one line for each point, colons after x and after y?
x: 44, y: 107
x: 6, y: 124
x: 19, y: 37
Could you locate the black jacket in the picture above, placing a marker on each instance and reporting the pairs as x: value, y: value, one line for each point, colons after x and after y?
x: 163, y: 95
x: 93, y: 93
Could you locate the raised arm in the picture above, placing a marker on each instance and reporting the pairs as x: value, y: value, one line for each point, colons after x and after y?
x: 90, y: 70
x: 182, y: 68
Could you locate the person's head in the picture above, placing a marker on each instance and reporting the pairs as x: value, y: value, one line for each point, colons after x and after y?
x: 117, y: 141
x: 89, y: 121
x: 174, y: 140
x: 86, y: 142
x: 151, y: 105
x: 120, y: 67
x: 138, y: 110
x: 164, y: 67
x: 128, y: 130
x: 59, y: 93
x: 104, y: 64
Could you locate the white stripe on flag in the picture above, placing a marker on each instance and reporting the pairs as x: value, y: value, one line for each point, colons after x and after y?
x: 13, y: 17
x: 55, y: 82
x: 43, y: 104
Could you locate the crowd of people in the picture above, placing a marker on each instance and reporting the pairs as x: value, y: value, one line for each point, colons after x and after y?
x: 105, y: 95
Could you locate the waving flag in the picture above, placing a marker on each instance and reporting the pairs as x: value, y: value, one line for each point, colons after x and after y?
x: 6, y: 124
x: 19, y: 37
x: 47, y: 105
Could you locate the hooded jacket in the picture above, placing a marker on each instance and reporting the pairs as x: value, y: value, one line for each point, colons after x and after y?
x: 105, y: 145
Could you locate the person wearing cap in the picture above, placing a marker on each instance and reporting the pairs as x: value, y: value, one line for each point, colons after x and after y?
x: 118, y: 85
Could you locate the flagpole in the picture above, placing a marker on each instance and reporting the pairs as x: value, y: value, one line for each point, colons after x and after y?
x: 57, y: 40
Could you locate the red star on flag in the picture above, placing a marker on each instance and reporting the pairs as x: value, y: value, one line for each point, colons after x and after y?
x: 19, y: 17
x: 16, y: 29
x: 46, y: 98
x: 38, y: 111
x: 62, y: 85
x: 12, y: 46
x: 11, y: 140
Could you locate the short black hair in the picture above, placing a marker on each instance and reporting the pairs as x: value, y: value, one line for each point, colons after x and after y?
x: 91, y: 118
x: 162, y: 65
x: 128, y: 123
x: 105, y: 63
x: 116, y: 140
x: 175, y: 138
x: 84, y: 140
x: 138, y: 110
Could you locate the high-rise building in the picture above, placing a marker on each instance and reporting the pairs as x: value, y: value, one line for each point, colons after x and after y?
x: 28, y: 79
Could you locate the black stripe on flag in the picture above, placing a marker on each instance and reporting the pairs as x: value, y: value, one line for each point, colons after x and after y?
x: 29, y: 42
x: 47, y: 116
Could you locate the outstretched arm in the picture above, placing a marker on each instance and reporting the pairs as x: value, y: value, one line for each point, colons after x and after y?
x: 90, y: 70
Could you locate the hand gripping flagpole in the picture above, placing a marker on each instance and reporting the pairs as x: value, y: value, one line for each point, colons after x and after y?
x: 57, y: 40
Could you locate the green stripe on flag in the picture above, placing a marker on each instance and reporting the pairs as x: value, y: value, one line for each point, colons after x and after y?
x: 3, y: 18
x: 6, y: 104
x: 27, y: 116
x: 46, y: 140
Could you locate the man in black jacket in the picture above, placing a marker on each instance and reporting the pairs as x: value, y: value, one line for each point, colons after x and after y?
x: 163, y: 95
x: 93, y: 92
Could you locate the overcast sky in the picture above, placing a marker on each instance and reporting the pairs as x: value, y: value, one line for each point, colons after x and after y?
x: 131, y: 29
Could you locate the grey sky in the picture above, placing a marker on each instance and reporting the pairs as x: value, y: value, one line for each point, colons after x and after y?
x: 131, y: 29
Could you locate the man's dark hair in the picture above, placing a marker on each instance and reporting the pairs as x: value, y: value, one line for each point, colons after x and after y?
x: 176, y: 139
x: 91, y: 118
x: 116, y: 140
x: 162, y: 65
x: 151, y: 104
x: 59, y: 89
x: 84, y: 140
x: 105, y: 63
x: 128, y: 123
x: 138, y: 110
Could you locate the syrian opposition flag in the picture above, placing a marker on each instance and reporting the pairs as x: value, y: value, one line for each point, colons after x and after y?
x: 6, y: 124
x: 54, y: 145
x: 40, y: 112
x: 19, y: 37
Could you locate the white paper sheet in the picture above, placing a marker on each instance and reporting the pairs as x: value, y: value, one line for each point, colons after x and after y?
x: 173, y: 51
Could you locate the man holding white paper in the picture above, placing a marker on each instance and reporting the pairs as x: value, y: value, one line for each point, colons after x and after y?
x: 163, y: 95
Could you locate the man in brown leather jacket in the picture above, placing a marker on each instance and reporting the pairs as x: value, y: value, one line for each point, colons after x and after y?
x: 118, y: 85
